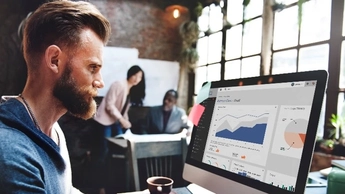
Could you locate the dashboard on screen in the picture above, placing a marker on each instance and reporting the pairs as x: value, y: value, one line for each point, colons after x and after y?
x: 256, y: 134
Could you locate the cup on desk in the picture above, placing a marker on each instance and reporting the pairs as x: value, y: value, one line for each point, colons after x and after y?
x: 159, y: 185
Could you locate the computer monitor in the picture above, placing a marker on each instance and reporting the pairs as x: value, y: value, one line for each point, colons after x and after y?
x: 256, y: 135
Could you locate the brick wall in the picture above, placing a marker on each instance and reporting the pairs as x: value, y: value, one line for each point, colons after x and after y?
x: 141, y: 24
x: 144, y: 25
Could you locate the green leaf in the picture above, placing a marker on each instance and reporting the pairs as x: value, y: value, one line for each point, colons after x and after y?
x: 245, y: 3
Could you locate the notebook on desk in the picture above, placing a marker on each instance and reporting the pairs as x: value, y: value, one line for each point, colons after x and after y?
x: 256, y: 135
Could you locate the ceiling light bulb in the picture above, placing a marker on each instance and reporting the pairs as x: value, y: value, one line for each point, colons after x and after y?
x: 176, y: 13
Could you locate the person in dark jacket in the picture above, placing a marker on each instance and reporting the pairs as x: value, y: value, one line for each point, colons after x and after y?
x: 166, y: 118
x: 62, y: 45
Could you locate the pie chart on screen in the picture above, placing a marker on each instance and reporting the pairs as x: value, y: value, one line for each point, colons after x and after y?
x: 295, y: 133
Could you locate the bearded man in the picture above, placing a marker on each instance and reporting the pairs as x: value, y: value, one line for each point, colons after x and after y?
x: 62, y: 43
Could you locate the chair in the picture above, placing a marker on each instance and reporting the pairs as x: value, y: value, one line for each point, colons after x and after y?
x: 156, y: 154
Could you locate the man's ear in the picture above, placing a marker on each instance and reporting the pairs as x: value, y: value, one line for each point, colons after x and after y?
x: 53, y: 58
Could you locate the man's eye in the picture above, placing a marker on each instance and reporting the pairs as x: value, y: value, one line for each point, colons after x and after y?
x: 94, y: 68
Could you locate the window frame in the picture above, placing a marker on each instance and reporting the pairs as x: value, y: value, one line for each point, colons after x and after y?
x: 334, y: 57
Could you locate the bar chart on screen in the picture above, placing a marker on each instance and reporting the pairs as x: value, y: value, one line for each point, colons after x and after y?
x: 280, y: 180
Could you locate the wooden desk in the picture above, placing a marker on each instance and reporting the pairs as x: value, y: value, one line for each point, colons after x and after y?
x: 184, y: 190
x: 180, y: 190
x: 122, y: 146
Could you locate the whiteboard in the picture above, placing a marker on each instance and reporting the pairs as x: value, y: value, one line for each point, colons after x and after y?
x: 116, y: 62
x: 160, y: 75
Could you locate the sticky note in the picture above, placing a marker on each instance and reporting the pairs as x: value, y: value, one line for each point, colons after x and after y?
x: 203, y: 93
x: 196, y: 113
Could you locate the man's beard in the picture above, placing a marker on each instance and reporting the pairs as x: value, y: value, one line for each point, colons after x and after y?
x: 77, y: 100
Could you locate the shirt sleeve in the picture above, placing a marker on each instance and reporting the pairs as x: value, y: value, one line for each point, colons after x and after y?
x: 184, y: 118
x: 20, y: 171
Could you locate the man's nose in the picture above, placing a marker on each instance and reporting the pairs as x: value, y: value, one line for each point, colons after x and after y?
x: 98, y: 83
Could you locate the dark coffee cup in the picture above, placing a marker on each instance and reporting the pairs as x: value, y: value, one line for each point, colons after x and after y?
x: 159, y: 185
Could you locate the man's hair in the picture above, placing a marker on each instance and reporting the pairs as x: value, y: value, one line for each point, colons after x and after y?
x: 172, y: 92
x: 60, y: 23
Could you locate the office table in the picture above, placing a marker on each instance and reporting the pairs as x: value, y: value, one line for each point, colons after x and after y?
x: 121, y: 145
x: 184, y: 190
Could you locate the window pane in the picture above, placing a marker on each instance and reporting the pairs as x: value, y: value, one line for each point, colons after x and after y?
x: 202, y: 48
x: 232, y: 69
x: 316, y: 21
x: 215, y: 47
x: 203, y: 20
x: 250, y: 67
x: 252, y: 37
x: 284, y: 62
x: 342, y: 67
x: 313, y: 58
x: 200, y: 78
x: 213, y: 72
x: 253, y: 9
x: 233, y: 42
x: 216, y: 17
x: 285, y: 28
x: 235, y: 11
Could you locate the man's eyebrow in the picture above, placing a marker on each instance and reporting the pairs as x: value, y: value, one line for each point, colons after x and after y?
x: 95, y: 62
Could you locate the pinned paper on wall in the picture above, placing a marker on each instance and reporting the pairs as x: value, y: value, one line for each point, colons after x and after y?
x: 203, y: 93
x: 196, y: 113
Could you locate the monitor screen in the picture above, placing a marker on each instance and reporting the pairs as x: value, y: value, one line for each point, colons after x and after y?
x: 256, y: 135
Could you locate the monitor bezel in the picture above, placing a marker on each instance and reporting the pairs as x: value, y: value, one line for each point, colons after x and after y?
x: 320, y: 76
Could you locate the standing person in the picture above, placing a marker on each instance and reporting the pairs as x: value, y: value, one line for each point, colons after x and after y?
x: 112, y: 113
x: 63, y: 44
x: 166, y: 118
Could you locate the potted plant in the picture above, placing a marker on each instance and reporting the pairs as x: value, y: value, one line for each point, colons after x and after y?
x: 337, y: 121
x: 335, y: 143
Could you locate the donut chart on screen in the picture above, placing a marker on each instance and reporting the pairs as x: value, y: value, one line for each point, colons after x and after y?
x: 294, y: 134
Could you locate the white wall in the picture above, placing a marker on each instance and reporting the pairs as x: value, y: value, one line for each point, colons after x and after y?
x: 160, y: 76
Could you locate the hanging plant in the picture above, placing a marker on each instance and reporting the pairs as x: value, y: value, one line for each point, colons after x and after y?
x: 189, y: 32
x: 197, y: 11
x: 189, y: 56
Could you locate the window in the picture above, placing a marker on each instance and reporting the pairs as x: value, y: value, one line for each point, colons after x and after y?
x: 243, y: 39
x: 235, y: 49
x: 209, y: 46
x: 304, y: 50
